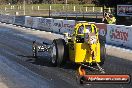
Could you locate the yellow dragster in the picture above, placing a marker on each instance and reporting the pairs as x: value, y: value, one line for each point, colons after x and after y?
x: 83, y: 46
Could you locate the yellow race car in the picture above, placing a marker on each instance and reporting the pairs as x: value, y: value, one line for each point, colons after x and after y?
x: 81, y: 47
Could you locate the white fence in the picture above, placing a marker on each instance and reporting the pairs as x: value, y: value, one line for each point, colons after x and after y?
x: 119, y: 35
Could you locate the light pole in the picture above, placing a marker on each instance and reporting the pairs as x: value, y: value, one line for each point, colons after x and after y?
x: 66, y: 8
x: 11, y: 2
x: 66, y: 2
x: 24, y: 7
x: 49, y: 8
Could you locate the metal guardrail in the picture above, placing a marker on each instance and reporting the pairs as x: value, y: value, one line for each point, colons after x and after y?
x: 77, y: 14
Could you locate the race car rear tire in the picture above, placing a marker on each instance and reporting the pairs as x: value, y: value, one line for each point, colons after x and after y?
x: 58, y: 54
x: 102, y: 54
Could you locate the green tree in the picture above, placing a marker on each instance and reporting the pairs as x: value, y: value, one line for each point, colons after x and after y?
x: 111, y: 3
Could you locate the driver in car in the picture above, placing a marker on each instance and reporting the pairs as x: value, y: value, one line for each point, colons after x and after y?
x: 81, y: 30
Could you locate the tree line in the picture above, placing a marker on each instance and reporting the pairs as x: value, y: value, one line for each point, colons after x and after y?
x: 111, y: 3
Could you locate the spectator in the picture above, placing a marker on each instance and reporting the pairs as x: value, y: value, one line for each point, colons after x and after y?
x: 108, y: 19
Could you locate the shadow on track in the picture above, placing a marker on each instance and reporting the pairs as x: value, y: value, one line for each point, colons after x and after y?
x: 46, y: 61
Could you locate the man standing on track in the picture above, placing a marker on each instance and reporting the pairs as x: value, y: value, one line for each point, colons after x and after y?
x: 109, y: 19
